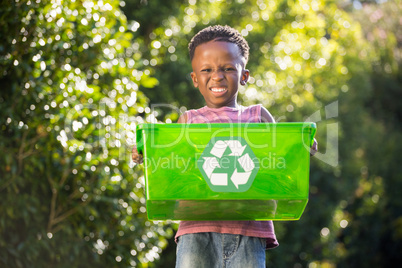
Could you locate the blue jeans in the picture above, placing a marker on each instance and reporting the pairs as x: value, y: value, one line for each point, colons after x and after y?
x: 215, y: 250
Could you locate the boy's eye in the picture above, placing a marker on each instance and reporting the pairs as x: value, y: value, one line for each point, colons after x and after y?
x: 227, y: 69
x: 206, y: 70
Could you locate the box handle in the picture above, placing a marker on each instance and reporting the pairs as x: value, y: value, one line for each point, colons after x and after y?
x: 311, y: 130
x: 138, y: 138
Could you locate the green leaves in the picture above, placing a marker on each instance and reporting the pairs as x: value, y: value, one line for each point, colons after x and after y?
x: 68, y: 119
x: 149, y: 82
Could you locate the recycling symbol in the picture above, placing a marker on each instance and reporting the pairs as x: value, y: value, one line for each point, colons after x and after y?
x: 228, y: 164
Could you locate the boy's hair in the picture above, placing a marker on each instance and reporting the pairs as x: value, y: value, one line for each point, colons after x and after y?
x: 219, y: 33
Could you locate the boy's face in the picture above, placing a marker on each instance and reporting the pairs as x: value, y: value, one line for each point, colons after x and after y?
x: 218, y: 70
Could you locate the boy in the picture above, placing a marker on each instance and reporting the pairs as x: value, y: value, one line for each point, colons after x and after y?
x: 219, y: 56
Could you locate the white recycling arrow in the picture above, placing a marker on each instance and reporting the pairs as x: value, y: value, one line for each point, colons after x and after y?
x: 240, y: 178
x: 219, y: 148
x: 235, y: 147
x: 219, y: 179
x: 246, y: 163
x: 209, y: 165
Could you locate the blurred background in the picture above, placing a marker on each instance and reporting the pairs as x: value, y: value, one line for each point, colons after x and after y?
x: 76, y: 77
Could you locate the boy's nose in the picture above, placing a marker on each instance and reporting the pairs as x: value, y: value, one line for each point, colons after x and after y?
x: 217, y: 75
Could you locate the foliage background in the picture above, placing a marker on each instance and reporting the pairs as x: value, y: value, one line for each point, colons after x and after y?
x: 77, y: 76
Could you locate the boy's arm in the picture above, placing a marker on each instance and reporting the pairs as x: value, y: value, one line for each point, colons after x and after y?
x: 182, y: 118
x: 266, y: 117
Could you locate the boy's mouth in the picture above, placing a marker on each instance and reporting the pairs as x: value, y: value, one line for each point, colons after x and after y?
x: 217, y: 89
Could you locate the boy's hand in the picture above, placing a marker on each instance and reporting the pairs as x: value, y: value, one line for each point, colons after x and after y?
x: 136, y: 156
x: 314, y: 148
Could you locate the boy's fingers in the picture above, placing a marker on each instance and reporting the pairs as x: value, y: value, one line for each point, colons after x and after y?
x: 314, y: 148
x: 137, y: 158
x: 312, y: 152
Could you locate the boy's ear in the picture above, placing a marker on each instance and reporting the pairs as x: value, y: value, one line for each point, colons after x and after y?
x: 245, y: 76
x: 194, y: 78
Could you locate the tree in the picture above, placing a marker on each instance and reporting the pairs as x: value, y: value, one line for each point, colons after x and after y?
x: 370, y: 237
x: 70, y: 73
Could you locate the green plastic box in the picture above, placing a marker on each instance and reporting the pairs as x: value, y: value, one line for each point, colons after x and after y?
x: 245, y: 171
